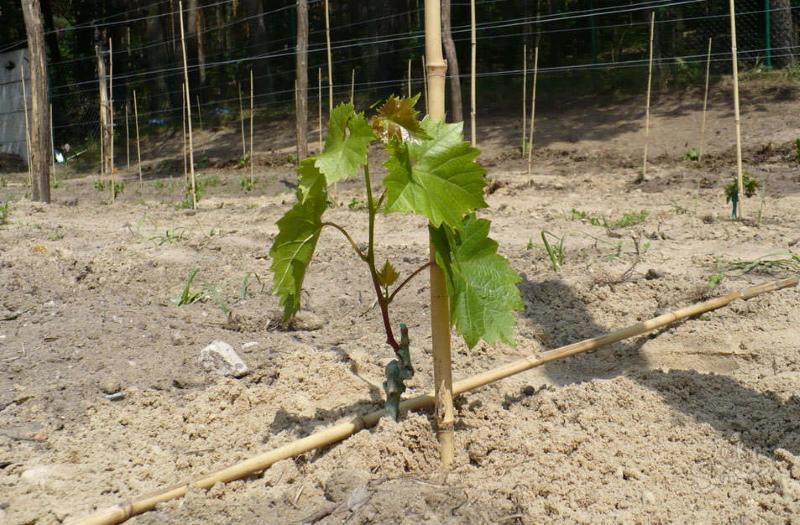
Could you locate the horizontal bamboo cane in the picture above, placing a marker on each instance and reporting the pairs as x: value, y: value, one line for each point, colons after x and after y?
x: 120, y: 513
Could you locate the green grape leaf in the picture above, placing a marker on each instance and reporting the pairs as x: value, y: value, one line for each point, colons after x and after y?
x: 298, y: 233
x: 437, y: 178
x: 349, y: 135
x: 387, y: 275
x: 480, y: 283
x: 397, y: 120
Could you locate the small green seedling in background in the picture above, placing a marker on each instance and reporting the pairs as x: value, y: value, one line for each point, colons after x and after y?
x: 693, y: 155
x: 55, y: 184
x: 554, y: 251
x: 99, y: 185
x: 4, y: 212
x: 357, y: 204
x: 714, y: 280
x: 431, y: 173
x: 244, y: 160
x: 170, y: 236
x: 750, y: 185
x: 245, y: 290
x: 119, y: 187
x: 158, y: 184
x: 627, y: 220
x: 797, y: 149
x: 187, y: 296
x: 247, y: 184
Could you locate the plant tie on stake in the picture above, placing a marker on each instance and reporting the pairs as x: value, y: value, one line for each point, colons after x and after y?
x: 397, y: 371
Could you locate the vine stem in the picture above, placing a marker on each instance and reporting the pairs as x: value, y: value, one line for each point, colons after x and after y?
x: 408, y: 279
x: 383, y: 299
x: 361, y: 254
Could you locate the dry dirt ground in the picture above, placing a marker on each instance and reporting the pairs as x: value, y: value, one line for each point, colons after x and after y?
x: 697, y: 423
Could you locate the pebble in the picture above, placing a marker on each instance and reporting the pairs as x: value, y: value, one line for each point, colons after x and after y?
x: 306, y: 322
x: 220, y: 358
x: 648, y: 498
x: 653, y: 274
x: 110, y: 387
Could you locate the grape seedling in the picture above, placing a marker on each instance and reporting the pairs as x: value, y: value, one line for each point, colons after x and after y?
x: 431, y: 172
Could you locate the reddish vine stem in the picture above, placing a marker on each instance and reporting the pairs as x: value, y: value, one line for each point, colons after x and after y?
x: 408, y: 279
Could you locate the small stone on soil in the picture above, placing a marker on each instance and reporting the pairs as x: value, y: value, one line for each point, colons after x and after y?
x: 110, y: 387
x: 220, y: 358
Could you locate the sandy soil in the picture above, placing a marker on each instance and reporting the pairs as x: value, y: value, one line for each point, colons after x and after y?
x: 697, y: 423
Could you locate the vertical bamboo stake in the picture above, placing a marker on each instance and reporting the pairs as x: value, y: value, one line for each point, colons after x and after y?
x: 138, y: 147
x: 330, y: 59
x: 440, y: 315
x: 199, y: 113
x: 252, y: 113
x: 705, y: 106
x: 524, y: 97
x: 319, y: 104
x: 27, y: 124
x: 113, y: 176
x: 241, y: 120
x: 52, y: 145
x: 472, y: 87
x: 425, y: 83
x: 103, y: 98
x: 647, y: 104
x: 352, y: 85
x: 183, y: 136
x: 409, y: 78
x: 188, y: 109
x: 127, y: 138
x: 735, y: 66
x: 533, y: 107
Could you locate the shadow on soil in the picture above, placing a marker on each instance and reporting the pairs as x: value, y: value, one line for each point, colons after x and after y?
x: 761, y: 421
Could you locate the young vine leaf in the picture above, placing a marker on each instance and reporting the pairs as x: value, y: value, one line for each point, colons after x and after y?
x: 480, y: 282
x: 437, y: 178
x: 349, y: 136
x: 298, y: 233
x: 387, y: 275
x: 397, y: 120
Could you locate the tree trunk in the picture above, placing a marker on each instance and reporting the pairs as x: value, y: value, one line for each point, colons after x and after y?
x: 456, y: 111
x: 301, y: 89
x: 40, y: 114
x: 201, y: 48
x: 783, y: 38
x: 156, y: 58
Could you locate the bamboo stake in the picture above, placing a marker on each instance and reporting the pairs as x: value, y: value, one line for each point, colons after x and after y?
x: 52, y: 146
x: 113, y: 176
x: 440, y: 314
x: 319, y: 104
x: 409, y: 78
x: 127, y: 138
x: 241, y: 120
x: 735, y: 67
x: 705, y: 105
x: 330, y: 59
x: 533, y: 108
x: 188, y: 109
x: 199, y: 113
x: 352, y: 85
x: 425, y: 83
x: 472, y: 86
x: 336, y: 433
x: 183, y: 136
x: 252, y: 113
x: 524, y: 98
x: 27, y: 125
x: 138, y: 146
x: 647, y: 103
